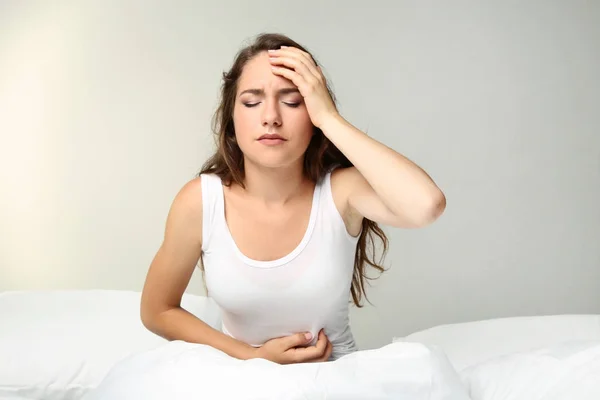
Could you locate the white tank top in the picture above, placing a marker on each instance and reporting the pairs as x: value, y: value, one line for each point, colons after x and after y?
x: 304, y: 291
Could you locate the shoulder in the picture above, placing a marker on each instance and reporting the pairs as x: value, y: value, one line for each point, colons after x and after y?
x: 185, y: 213
x: 189, y: 197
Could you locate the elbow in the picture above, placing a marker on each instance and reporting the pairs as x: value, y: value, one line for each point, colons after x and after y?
x: 149, y: 315
x: 435, y: 207
x: 431, y: 209
x: 152, y: 316
x: 438, y: 205
x: 146, y: 316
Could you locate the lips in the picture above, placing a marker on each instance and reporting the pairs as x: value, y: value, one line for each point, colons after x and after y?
x: 271, y: 136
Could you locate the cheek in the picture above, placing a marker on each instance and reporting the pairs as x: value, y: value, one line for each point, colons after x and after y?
x: 302, y: 122
x: 243, y: 123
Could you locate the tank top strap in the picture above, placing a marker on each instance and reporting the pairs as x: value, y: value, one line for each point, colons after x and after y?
x: 212, y: 206
x: 327, y: 195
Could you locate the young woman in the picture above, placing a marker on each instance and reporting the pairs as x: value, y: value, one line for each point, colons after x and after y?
x: 280, y: 216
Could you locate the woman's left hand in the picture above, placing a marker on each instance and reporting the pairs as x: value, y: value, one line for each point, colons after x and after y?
x: 299, y: 67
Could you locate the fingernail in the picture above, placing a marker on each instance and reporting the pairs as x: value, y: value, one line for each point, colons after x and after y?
x: 308, y: 335
x: 271, y: 51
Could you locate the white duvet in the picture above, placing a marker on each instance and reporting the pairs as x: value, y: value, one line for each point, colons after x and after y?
x: 402, y: 370
x: 179, y: 370
x: 566, y: 371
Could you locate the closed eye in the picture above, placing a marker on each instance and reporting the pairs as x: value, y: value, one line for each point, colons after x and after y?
x: 293, y: 105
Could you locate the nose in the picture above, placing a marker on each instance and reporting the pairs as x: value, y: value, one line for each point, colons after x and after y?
x: 271, y: 115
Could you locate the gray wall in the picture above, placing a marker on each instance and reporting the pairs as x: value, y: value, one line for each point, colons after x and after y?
x: 105, y: 110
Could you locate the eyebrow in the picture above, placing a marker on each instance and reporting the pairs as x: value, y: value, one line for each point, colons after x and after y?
x: 262, y: 92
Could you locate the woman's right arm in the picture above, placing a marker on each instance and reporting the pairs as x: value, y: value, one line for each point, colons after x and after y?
x: 170, y: 273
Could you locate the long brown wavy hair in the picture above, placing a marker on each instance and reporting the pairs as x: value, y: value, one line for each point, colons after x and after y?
x: 320, y: 157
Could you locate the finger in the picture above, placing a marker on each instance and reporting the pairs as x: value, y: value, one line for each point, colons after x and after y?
x: 294, y: 77
x: 310, y: 353
x: 305, y: 77
x: 310, y: 61
x: 300, y: 53
x: 296, y: 340
x: 321, y: 344
x: 327, y: 353
x: 304, y: 354
x: 321, y: 74
x: 303, y: 59
x: 296, y: 51
x: 294, y: 64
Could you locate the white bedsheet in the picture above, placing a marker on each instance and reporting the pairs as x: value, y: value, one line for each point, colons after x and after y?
x: 179, y: 370
x: 565, y: 371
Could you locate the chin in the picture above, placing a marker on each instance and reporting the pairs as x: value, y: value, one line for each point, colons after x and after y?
x: 274, y: 161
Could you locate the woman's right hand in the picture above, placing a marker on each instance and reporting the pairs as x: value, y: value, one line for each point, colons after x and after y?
x: 292, y: 349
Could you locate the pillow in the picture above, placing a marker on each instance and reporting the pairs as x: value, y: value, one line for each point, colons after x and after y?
x: 470, y: 343
x: 60, y: 344
x: 565, y: 371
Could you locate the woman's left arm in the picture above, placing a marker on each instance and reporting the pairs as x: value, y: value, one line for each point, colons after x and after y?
x: 383, y: 185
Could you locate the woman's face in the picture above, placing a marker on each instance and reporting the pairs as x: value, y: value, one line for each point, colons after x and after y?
x: 268, y: 104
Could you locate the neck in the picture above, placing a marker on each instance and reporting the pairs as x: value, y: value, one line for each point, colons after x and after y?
x: 274, y: 185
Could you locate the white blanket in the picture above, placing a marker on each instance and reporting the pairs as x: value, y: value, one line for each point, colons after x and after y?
x: 566, y: 371
x: 179, y: 370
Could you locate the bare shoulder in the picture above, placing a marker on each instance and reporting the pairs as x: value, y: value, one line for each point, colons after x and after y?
x: 343, y: 180
x: 185, y: 213
x: 189, y: 197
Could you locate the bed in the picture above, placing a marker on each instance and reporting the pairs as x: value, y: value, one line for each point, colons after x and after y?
x: 90, y: 344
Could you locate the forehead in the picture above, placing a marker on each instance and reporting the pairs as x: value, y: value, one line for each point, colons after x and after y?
x: 257, y: 74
